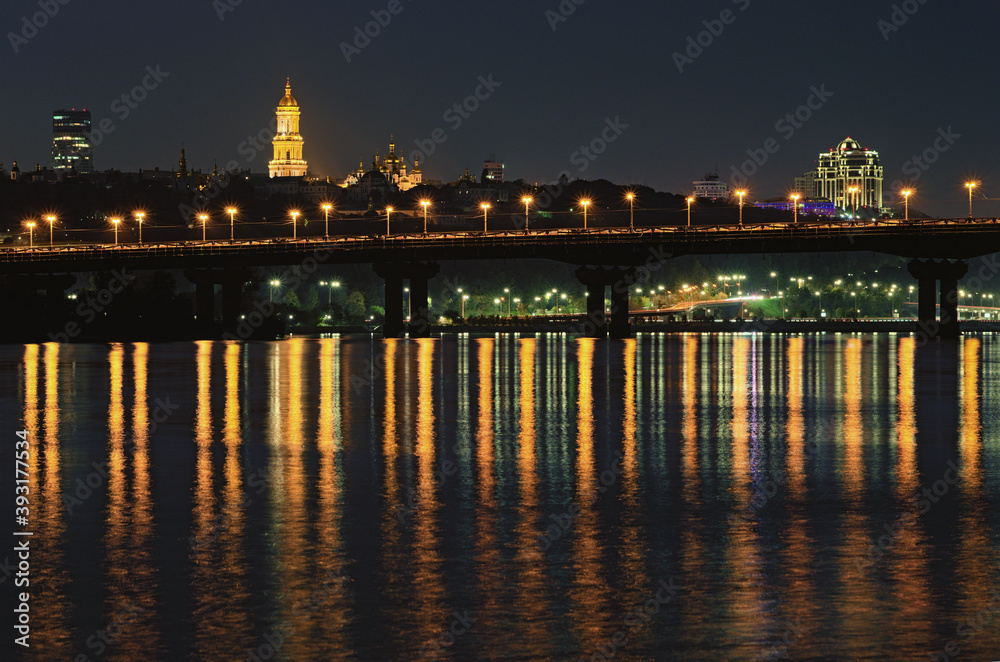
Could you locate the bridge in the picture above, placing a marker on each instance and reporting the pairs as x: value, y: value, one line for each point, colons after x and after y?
x: 607, y: 257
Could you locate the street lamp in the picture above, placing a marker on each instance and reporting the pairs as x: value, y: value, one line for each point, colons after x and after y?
x: 631, y: 211
x: 517, y: 301
x: 116, y: 221
x: 204, y: 222
x: 527, y: 202
x: 906, y: 204
x: 388, y: 215
x: 31, y: 234
x: 486, y: 210
x: 332, y: 284
x: 273, y: 284
x: 326, y: 214
x: 506, y: 292
x: 690, y: 200
x: 585, y: 203
x: 795, y: 207
x: 425, y: 204
x: 51, y: 219
x: 295, y: 228
x: 232, y: 214
x: 407, y: 290
x: 139, y: 216
x: 970, y: 186
x: 741, y: 194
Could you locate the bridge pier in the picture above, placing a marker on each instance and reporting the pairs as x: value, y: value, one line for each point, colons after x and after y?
x: 418, y: 274
x: 928, y: 273
x: 231, y: 279
x: 204, y: 297
x: 596, y: 280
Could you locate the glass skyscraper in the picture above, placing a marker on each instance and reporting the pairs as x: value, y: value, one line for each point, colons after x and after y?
x: 71, y: 146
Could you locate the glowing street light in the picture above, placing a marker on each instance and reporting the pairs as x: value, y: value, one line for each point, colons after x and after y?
x: 970, y: 186
x: 690, y: 201
x: 425, y: 204
x: 388, y: 215
x: 795, y: 207
x: 273, y: 284
x: 326, y: 215
x: 527, y: 203
x: 116, y: 221
x: 204, y: 223
x: 741, y: 193
x: 295, y: 217
x: 585, y: 203
x: 51, y: 219
x: 631, y: 211
x: 331, y: 284
x: 506, y: 296
x: 486, y: 210
x: 854, y: 200
x: 31, y: 234
x: 139, y: 216
x: 906, y: 203
x: 232, y: 214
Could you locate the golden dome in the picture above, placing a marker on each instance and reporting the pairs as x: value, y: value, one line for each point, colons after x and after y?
x: 288, y: 99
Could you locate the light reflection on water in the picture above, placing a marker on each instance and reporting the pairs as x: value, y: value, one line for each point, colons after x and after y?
x: 689, y: 497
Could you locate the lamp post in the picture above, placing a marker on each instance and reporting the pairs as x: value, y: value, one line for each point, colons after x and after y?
x: 425, y: 204
x: 690, y: 200
x: 273, y: 284
x: 486, y: 210
x: 631, y: 211
x: 138, y: 217
x: 527, y: 203
x: 295, y: 226
x: 331, y: 284
x: 407, y: 290
x: 795, y: 208
x: 31, y: 234
x: 585, y: 203
x: 741, y: 194
x: 116, y: 221
x: 388, y: 215
x: 465, y: 297
x: 506, y: 295
x: 970, y: 186
x: 51, y: 219
x: 326, y: 215
x: 232, y: 215
x: 204, y: 222
x: 906, y: 204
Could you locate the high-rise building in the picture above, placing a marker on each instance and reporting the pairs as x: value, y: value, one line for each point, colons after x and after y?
x: 847, y: 166
x: 71, y: 146
x: 492, y: 172
x: 287, y: 142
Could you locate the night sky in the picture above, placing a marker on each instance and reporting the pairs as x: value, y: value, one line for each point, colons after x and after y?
x: 559, y: 79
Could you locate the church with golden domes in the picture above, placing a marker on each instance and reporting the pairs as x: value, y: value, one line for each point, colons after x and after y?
x: 288, y: 161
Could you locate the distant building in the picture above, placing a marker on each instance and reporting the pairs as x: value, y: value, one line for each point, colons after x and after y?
x: 711, y: 188
x: 71, y: 146
x: 493, y: 172
x: 846, y: 166
x: 807, y: 207
x: 288, y: 161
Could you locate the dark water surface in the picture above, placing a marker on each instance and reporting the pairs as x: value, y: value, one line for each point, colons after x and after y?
x: 682, y: 497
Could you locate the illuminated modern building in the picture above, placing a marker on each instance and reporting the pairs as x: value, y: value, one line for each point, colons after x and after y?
x: 846, y: 166
x: 711, y: 188
x: 493, y: 171
x: 71, y: 146
x: 287, y: 142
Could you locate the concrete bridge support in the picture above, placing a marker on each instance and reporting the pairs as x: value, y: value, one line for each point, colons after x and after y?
x: 597, y: 280
x: 928, y: 273
x: 418, y: 274
x: 232, y: 281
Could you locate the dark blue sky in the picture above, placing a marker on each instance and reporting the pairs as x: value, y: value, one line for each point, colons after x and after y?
x: 891, y: 90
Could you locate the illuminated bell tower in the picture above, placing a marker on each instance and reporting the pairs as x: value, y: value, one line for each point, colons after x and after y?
x: 287, y: 142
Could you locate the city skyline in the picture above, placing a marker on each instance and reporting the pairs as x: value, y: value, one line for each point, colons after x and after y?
x: 678, y: 88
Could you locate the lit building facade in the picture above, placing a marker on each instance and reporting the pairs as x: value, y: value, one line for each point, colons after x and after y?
x: 71, y: 145
x: 392, y: 167
x: 288, y: 161
x: 846, y: 166
x: 711, y: 188
x: 493, y: 172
